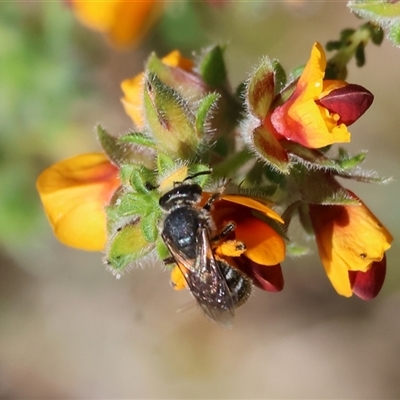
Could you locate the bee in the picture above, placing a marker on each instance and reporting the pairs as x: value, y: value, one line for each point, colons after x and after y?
x: 217, y: 286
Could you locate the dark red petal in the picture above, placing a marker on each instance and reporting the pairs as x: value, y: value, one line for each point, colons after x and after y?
x: 350, y: 102
x: 266, y: 277
x: 367, y: 285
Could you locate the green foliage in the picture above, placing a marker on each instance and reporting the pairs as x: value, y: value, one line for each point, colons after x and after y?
x: 385, y: 14
x: 42, y: 73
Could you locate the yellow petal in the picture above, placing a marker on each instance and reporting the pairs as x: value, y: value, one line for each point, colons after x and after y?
x: 167, y: 182
x: 318, y: 127
x: 133, y: 88
x: 253, y: 204
x: 310, y: 81
x: 74, y: 193
x: 263, y: 245
x: 124, y: 22
x: 133, y: 102
x: 178, y: 280
x: 349, y: 238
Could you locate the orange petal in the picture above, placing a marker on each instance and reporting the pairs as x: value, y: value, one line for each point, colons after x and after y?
x: 74, y: 193
x: 253, y: 204
x: 263, y: 245
x: 349, y: 238
x: 133, y: 88
x: 124, y: 22
x: 230, y: 248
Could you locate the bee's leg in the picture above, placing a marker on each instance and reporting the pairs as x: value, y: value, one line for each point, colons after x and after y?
x: 210, y: 201
x: 229, y: 228
x: 169, y: 260
x: 215, y: 196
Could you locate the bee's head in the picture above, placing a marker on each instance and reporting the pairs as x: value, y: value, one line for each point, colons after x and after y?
x: 183, y: 194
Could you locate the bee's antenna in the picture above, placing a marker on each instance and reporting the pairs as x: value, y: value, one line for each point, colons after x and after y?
x: 208, y: 172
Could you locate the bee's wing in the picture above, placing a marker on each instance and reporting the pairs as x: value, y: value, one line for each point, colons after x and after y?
x: 205, y: 279
x: 212, y: 288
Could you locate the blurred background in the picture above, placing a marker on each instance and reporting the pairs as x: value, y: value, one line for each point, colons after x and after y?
x: 69, y: 329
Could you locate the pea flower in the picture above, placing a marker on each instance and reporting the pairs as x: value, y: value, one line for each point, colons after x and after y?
x: 264, y: 247
x: 123, y: 22
x: 318, y: 111
x: 74, y: 193
x: 285, y: 121
x: 351, y: 243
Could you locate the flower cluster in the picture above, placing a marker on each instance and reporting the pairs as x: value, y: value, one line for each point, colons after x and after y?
x: 251, y: 184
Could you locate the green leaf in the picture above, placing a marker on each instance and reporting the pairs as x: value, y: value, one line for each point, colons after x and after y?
x: 385, y: 14
x: 382, y: 10
x: 269, y: 150
x: 149, y: 226
x: 135, y: 204
x: 394, y: 34
x: 142, y: 180
x: 162, y: 250
x: 119, y: 153
x: 138, y: 138
x: 212, y: 67
x: 347, y: 162
x: 127, y: 245
x: 360, y: 55
x: 376, y: 33
x: 164, y: 163
x: 126, y: 171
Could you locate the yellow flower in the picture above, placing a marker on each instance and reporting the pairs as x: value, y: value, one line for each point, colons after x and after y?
x: 301, y: 118
x: 264, y: 247
x: 133, y: 88
x: 124, y: 22
x: 74, y: 193
x: 350, y: 239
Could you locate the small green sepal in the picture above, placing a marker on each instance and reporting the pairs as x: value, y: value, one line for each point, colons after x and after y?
x: 188, y: 84
x: 212, y: 67
x: 261, y: 89
x: 269, y: 150
x: 127, y: 245
x: 170, y: 119
x: 204, y: 113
